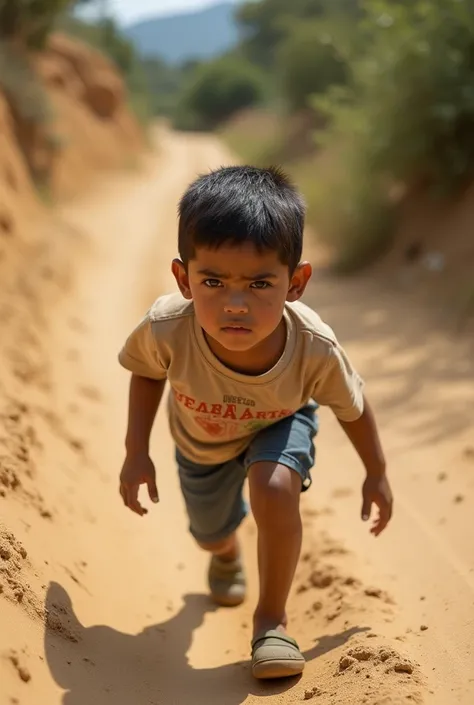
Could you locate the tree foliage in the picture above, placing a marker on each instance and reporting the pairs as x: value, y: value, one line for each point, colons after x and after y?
x: 309, y: 63
x: 410, y: 103
x: 404, y: 119
x: 217, y: 90
x: 268, y: 23
x: 30, y: 21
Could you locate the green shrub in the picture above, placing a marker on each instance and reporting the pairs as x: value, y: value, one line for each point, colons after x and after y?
x: 405, y: 117
x: 30, y: 21
x: 309, y: 63
x: 216, y: 91
x: 22, y: 88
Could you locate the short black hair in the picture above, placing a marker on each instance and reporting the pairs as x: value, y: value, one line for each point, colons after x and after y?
x: 239, y: 204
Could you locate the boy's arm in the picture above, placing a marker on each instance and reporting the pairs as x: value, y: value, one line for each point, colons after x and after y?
x: 142, y: 356
x: 364, y: 437
x: 144, y: 399
x: 341, y: 388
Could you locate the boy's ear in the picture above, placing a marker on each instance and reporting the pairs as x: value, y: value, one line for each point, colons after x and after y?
x: 182, y: 279
x: 299, y: 280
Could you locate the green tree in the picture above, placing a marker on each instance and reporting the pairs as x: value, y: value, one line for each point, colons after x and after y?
x: 309, y: 63
x: 30, y: 21
x: 403, y: 122
x: 267, y: 24
x: 164, y: 83
x: 217, y: 90
x: 412, y: 102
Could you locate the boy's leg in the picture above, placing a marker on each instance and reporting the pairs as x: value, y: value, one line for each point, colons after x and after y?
x: 227, y: 549
x: 216, y: 508
x: 226, y: 577
x: 279, y: 462
x: 275, y: 492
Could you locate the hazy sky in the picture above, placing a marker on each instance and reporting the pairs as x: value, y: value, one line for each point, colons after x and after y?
x: 128, y: 11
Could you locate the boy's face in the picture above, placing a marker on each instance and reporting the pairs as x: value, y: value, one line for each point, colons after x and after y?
x: 239, y: 293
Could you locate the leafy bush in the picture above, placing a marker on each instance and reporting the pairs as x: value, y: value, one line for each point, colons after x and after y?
x: 30, y: 21
x: 267, y: 24
x: 22, y: 89
x: 405, y: 118
x: 411, y: 104
x: 216, y: 91
x: 309, y: 63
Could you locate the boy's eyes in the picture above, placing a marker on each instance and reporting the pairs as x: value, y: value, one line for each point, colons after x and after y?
x: 215, y: 283
x: 260, y: 285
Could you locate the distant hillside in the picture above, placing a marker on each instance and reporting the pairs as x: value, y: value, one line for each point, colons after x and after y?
x: 196, y: 35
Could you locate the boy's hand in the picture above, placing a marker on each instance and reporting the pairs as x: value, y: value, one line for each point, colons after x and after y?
x: 137, y: 469
x: 376, y: 490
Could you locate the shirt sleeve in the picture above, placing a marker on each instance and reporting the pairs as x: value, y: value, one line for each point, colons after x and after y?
x: 140, y: 353
x: 340, y: 387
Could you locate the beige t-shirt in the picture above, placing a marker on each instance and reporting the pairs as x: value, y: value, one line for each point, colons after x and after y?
x: 215, y: 412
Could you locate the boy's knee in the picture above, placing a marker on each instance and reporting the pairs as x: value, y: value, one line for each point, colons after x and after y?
x: 218, y: 548
x: 275, y: 492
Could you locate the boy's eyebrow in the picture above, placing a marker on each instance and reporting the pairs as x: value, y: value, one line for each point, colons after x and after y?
x: 261, y: 275
x: 213, y: 273
x: 223, y: 275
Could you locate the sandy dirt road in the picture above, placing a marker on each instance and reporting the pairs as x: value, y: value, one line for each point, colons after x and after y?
x: 102, y: 607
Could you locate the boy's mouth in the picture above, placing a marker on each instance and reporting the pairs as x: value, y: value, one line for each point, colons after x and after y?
x: 236, y: 329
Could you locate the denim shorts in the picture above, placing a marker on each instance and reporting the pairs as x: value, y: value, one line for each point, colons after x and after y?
x: 213, y: 494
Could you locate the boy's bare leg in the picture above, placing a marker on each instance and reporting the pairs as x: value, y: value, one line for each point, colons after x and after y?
x: 275, y: 492
x: 228, y: 549
x: 226, y: 575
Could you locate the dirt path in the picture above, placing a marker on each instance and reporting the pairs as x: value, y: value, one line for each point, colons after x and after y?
x: 123, y: 598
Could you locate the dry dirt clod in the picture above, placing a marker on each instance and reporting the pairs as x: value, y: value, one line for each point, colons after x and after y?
x: 403, y: 667
x: 312, y: 693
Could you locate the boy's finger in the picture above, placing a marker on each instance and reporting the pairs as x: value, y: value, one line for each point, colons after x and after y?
x: 153, y: 491
x: 366, y: 508
x: 385, y: 513
x: 132, y: 500
x: 122, y: 494
x: 380, y: 526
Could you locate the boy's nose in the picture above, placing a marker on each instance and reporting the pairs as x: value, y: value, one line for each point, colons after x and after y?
x: 236, y: 304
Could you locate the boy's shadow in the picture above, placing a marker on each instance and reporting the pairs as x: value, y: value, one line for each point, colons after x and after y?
x: 103, y: 666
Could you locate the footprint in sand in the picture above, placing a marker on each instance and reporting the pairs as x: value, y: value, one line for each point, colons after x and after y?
x: 342, y: 492
x: 23, y: 672
x: 77, y: 325
x: 90, y: 392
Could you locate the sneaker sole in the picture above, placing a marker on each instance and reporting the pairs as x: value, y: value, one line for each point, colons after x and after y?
x: 228, y: 601
x: 281, y: 668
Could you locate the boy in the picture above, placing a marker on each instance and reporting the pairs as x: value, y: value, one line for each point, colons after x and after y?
x: 248, y: 365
